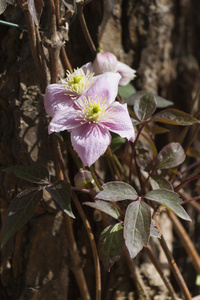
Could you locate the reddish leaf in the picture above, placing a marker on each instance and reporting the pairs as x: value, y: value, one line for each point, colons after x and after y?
x: 111, y: 242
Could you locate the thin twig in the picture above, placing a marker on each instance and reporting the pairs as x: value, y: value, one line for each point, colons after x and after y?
x: 72, y: 246
x: 159, y: 270
x: 86, y: 224
x: 187, y: 243
x: 64, y: 59
x: 137, y: 278
x: 175, y: 270
x: 85, y: 28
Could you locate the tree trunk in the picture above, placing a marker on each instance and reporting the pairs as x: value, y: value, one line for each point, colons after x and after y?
x: 160, y: 39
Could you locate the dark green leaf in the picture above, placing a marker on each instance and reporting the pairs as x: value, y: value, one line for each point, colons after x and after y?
x: 117, y: 142
x: 137, y: 227
x: 145, y: 106
x: 159, y: 182
x: 144, y: 159
x: 171, y: 156
x: 111, y: 242
x: 61, y: 193
x: 20, y: 211
x: 126, y: 91
x: 36, y: 174
x: 169, y: 199
x: 175, y: 117
x: 117, y: 191
x: 161, y: 102
x: 105, y: 207
x: 158, y: 129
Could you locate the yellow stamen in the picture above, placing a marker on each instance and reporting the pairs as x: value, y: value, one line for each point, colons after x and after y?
x: 78, y: 82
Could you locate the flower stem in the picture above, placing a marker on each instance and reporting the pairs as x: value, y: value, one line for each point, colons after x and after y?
x: 95, y: 178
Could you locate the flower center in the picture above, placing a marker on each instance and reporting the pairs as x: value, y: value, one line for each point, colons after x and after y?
x: 94, y: 111
x: 78, y: 82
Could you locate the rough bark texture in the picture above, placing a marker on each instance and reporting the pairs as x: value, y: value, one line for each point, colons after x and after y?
x: 158, y: 38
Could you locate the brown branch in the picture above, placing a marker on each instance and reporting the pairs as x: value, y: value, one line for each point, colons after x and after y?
x: 54, y: 42
x: 34, y: 50
x: 175, y: 270
x: 85, y: 28
x: 85, y: 222
x: 64, y: 59
x: 72, y: 246
x: 138, y: 281
x: 187, y: 243
x: 162, y: 275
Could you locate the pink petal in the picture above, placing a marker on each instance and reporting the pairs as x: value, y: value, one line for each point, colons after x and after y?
x: 121, y: 122
x: 126, y: 72
x: 90, y: 141
x: 86, y: 67
x: 106, y: 85
x: 64, y: 120
x: 105, y: 62
x: 56, y: 99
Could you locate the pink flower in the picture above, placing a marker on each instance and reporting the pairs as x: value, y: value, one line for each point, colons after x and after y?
x: 91, y: 118
x: 58, y: 96
x: 107, y: 62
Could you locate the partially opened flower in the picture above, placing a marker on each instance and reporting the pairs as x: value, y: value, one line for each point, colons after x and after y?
x: 107, y: 62
x: 67, y: 90
x: 92, y: 117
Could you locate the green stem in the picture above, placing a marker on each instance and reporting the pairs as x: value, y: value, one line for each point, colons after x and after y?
x: 95, y: 178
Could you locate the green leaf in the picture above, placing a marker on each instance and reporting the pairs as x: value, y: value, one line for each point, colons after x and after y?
x: 117, y: 142
x: 169, y: 199
x: 161, y: 102
x: 20, y: 211
x: 158, y: 129
x: 137, y: 226
x: 61, y: 193
x: 36, y: 174
x: 144, y: 159
x: 145, y: 106
x: 117, y: 191
x: 159, y: 182
x: 105, y: 207
x: 126, y: 91
x: 174, y: 117
x: 110, y: 245
x: 171, y: 156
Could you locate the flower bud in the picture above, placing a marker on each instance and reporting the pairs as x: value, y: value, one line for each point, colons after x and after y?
x: 83, y: 179
x: 105, y: 62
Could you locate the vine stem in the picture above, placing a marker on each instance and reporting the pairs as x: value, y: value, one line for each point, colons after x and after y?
x: 86, y: 224
x: 175, y: 269
x: 159, y: 270
x: 85, y: 28
x: 72, y: 246
x: 187, y: 243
